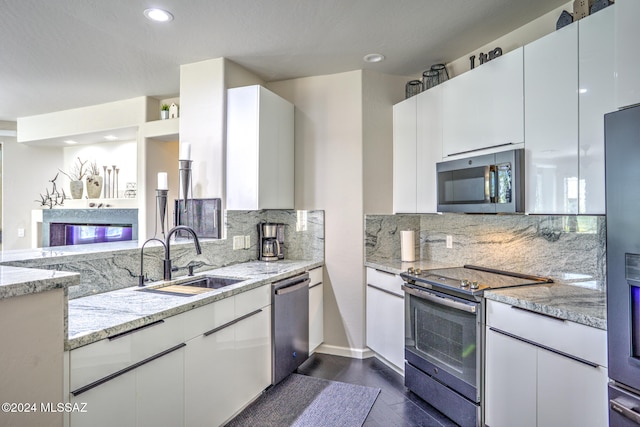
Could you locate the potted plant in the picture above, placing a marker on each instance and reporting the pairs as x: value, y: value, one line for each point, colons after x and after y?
x: 164, y: 111
x: 94, y: 181
x: 76, y: 174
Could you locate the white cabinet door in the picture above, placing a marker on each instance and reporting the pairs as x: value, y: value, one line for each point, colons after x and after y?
x: 210, y: 378
x: 385, y: 324
x: 160, y: 391
x: 597, y: 97
x: 404, y: 156
x: 627, y: 60
x: 570, y: 393
x: 112, y: 403
x: 253, y: 357
x: 259, y: 150
x: 510, y: 382
x: 551, y: 123
x: 316, y: 316
x: 428, y: 148
x: 484, y: 107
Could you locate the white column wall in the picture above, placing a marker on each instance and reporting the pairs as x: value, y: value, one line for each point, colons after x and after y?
x: 329, y: 176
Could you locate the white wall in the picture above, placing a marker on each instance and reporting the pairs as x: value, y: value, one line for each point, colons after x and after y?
x: 329, y: 176
x: 27, y: 171
x: 535, y: 29
x: 379, y: 93
x: 203, y: 87
x: 202, y: 95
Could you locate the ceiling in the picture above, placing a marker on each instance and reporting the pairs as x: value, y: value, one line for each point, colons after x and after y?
x: 65, y: 54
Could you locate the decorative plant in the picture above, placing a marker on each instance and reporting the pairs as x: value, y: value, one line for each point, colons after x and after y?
x: 165, y: 107
x: 53, y: 198
x: 77, y: 172
x: 92, y: 170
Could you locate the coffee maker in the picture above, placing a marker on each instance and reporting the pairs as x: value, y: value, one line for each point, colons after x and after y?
x: 270, y: 241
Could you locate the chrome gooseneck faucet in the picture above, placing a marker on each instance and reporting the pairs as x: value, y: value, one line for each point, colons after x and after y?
x: 141, y: 278
x: 167, y: 247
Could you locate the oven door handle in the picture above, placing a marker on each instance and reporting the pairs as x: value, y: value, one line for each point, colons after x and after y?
x: 469, y: 308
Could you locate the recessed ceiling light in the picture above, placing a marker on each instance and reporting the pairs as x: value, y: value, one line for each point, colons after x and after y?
x: 158, y: 15
x: 110, y: 137
x: 70, y: 141
x: 374, y: 57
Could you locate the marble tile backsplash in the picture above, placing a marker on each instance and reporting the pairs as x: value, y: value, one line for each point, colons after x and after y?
x: 117, y: 269
x: 568, y: 248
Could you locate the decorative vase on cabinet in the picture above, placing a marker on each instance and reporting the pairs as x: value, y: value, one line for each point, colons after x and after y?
x: 76, y: 188
x: 94, y: 186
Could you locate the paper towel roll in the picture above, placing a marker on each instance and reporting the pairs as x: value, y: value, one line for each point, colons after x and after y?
x: 407, y: 246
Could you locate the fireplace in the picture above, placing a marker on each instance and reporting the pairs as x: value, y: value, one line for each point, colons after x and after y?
x: 62, y: 227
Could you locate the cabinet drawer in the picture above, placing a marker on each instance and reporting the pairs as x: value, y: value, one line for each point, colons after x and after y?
x: 102, y: 358
x: 315, y: 276
x: 565, y: 336
x: 386, y: 281
x: 252, y: 300
x: 205, y: 318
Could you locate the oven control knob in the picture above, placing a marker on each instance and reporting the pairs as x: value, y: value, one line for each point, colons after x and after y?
x: 475, y: 285
x: 435, y: 371
x: 410, y: 270
x: 418, y: 271
x: 464, y: 283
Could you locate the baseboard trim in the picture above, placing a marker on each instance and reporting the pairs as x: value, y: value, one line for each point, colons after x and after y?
x: 354, y: 353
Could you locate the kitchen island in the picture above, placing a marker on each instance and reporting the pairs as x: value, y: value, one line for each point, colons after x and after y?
x: 33, y: 306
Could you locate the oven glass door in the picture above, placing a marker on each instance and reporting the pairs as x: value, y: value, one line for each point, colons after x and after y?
x: 442, y: 338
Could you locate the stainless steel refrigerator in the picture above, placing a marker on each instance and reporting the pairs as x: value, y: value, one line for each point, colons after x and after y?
x: 622, y: 171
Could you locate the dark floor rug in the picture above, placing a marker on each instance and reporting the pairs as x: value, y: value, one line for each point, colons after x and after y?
x: 304, y: 401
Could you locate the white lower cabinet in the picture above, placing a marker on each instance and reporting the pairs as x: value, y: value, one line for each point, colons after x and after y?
x: 213, y: 361
x: 511, y: 382
x: 230, y: 363
x: 385, y: 316
x: 316, y: 309
x: 110, y: 404
x: 542, y: 371
x: 148, y: 394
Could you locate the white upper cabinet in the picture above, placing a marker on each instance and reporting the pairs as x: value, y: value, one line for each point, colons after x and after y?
x: 483, y: 108
x: 428, y: 148
x: 260, y: 158
x: 404, y: 156
x: 597, y: 97
x: 551, y: 118
x: 627, y: 60
x: 417, y: 147
x: 569, y: 86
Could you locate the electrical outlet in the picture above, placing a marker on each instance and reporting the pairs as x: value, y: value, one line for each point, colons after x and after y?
x: 238, y: 242
x: 449, y: 242
x: 20, y: 232
x: 247, y: 242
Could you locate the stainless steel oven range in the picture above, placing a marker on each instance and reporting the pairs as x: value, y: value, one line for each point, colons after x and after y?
x: 444, y: 336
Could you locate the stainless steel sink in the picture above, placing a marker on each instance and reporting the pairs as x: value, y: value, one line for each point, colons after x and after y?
x: 212, y: 282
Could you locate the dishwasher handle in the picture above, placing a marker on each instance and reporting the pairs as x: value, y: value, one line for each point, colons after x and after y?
x: 285, y: 286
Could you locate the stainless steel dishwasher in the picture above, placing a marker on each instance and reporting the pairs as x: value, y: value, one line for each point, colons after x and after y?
x: 290, y: 325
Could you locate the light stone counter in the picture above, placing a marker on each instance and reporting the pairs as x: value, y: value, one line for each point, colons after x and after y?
x: 572, y: 302
x: 96, y: 317
x: 571, y: 297
x: 395, y: 266
x: 16, y: 281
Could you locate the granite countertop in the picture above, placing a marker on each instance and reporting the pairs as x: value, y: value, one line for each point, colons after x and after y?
x: 395, y: 266
x: 572, y: 297
x: 99, y: 316
x: 17, y: 281
x: 569, y: 301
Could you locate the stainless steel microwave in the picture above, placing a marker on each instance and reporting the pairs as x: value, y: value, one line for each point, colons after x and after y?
x: 490, y: 183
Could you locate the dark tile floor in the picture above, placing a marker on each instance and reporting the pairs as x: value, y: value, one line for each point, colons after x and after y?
x: 395, y: 406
